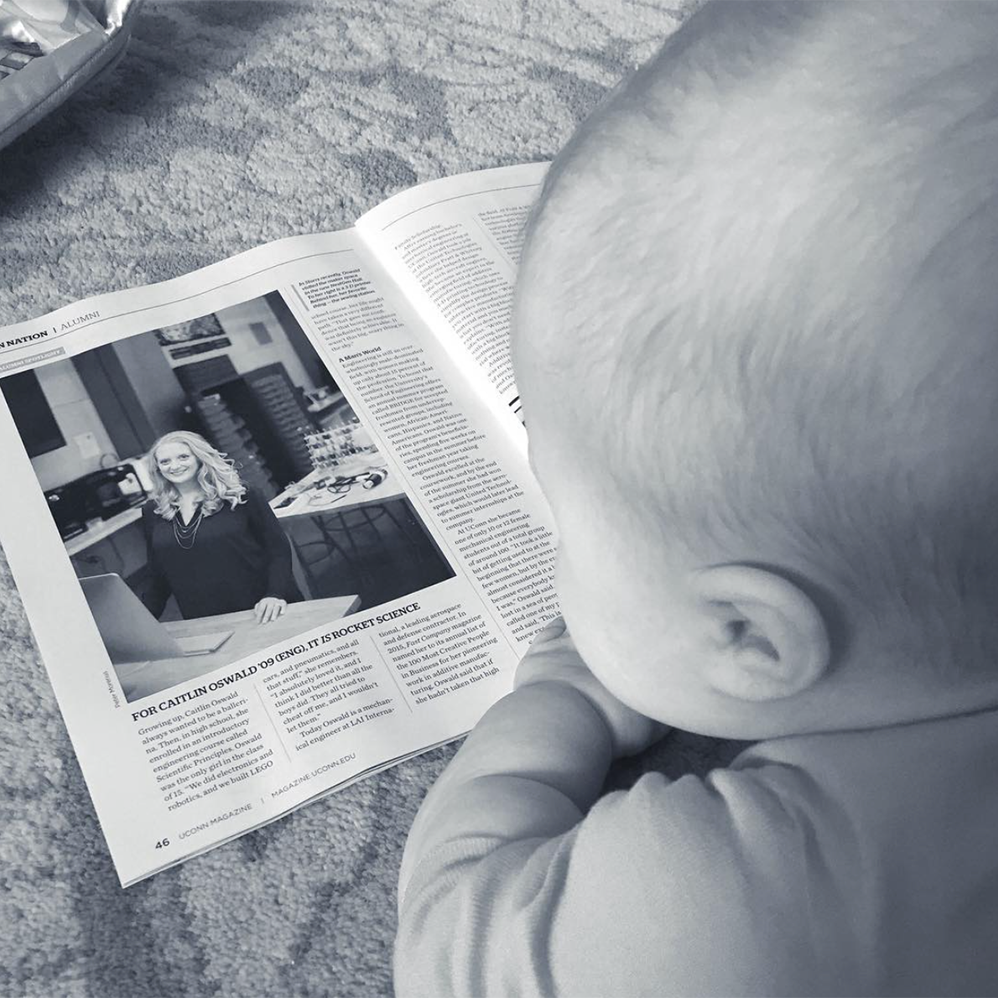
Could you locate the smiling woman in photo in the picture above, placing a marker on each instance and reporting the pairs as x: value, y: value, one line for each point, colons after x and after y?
x: 211, y: 542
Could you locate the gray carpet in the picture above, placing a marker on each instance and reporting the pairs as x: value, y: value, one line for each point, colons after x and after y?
x: 227, y: 125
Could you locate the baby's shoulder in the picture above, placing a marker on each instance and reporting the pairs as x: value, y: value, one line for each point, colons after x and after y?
x: 704, y: 839
x: 741, y: 808
x: 757, y: 835
x: 695, y: 861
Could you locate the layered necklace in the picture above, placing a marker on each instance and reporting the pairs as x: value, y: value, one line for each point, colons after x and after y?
x: 187, y: 534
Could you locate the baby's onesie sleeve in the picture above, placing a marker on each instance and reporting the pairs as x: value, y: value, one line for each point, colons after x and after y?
x: 682, y: 888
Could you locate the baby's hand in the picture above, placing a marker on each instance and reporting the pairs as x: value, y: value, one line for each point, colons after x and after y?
x: 552, y: 658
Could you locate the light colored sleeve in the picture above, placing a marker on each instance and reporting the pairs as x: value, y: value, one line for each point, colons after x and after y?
x: 684, y: 888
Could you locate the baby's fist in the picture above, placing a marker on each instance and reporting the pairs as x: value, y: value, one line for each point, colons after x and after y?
x: 552, y: 658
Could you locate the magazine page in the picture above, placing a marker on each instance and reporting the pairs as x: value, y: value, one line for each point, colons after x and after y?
x: 365, y: 560
x: 453, y: 246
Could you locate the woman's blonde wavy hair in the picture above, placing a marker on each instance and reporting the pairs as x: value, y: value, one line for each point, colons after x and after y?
x: 217, y: 476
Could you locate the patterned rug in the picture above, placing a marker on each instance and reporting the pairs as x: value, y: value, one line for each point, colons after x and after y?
x: 229, y: 124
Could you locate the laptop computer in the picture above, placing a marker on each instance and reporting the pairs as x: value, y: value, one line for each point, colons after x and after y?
x: 130, y: 632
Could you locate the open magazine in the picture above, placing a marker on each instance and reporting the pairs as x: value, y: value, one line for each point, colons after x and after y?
x: 346, y: 404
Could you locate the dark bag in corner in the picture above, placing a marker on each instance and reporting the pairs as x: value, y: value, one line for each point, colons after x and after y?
x: 50, y: 50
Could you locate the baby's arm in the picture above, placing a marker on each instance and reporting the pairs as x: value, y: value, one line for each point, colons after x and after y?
x: 536, y: 761
x: 528, y: 772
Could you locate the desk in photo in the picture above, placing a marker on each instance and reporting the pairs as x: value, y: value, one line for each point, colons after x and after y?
x: 302, y: 494
x: 141, y: 679
x: 327, y: 512
x: 101, y: 530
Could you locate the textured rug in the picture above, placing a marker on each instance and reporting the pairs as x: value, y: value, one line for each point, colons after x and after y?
x: 227, y: 125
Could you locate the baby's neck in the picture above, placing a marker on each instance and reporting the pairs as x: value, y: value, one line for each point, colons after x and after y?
x: 885, y: 697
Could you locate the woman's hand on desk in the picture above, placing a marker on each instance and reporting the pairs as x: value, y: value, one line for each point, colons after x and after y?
x: 269, y: 608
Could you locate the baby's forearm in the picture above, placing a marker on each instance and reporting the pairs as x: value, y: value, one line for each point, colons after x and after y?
x: 531, y: 768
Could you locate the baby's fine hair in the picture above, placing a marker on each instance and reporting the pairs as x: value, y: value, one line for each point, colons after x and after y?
x: 770, y: 261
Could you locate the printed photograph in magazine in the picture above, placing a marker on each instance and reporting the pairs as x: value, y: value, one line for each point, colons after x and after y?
x: 215, y: 492
x: 362, y: 563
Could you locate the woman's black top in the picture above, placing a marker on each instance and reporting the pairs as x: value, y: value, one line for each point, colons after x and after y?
x: 239, y: 556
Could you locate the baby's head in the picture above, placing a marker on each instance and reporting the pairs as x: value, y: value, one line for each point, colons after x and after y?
x: 756, y: 336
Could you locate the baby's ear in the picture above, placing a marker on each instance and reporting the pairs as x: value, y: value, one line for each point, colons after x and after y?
x: 771, y: 640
